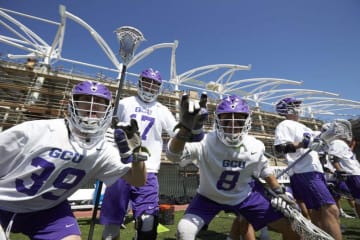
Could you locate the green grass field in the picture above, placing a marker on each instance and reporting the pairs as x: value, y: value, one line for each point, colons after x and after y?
x: 218, y: 229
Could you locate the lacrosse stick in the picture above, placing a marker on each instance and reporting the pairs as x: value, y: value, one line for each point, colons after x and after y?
x: 301, y: 225
x: 293, y: 164
x: 129, y: 38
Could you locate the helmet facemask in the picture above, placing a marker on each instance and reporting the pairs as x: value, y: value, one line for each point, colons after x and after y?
x: 90, y: 114
x: 232, y: 120
x: 150, y: 83
x: 149, y: 89
x: 232, y: 127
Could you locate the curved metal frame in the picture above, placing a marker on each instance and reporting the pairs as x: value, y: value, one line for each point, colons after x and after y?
x: 260, y: 91
x: 37, y: 47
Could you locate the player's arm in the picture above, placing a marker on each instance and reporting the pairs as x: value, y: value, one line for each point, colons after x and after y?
x: 267, y: 173
x: 190, y: 127
x: 272, y: 182
x: 283, y: 141
x: 136, y: 176
x: 176, y: 144
x: 287, y: 147
x: 308, y: 141
x: 339, y: 173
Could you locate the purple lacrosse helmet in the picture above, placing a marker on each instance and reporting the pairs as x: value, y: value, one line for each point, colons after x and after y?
x: 288, y: 106
x: 232, y: 120
x: 92, y: 88
x: 89, y: 113
x: 150, y: 83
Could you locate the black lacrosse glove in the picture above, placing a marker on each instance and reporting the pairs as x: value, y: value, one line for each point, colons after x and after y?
x: 193, y: 114
x: 282, y: 202
x: 128, y: 141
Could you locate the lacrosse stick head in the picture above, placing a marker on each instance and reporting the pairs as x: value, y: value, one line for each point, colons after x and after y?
x: 337, y: 129
x: 305, y: 228
x: 149, y: 86
x: 129, y: 38
x: 232, y: 120
x: 288, y: 106
x: 89, y: 113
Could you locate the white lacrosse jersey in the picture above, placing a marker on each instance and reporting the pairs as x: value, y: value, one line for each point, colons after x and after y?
x: 40, y: 166
x: 225, y: 172
x: 293, y: 131
x: 348, y: 161
x: 153, y: 118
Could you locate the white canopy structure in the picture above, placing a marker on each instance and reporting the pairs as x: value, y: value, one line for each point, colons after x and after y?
x: 217, y: 79
x: 25, y: 39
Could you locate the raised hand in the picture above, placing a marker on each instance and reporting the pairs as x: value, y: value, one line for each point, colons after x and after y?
x: 128, y: 141
x: 193, y: 114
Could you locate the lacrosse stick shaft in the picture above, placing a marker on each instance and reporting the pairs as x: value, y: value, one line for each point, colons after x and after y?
x: 129, y: 38
x: 293, y: 164
x: 118, y: 93
x: 96, y: 207
x: 100, y: 184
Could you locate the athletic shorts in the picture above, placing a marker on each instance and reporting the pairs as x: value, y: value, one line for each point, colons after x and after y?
x: 312, y: 189
x: 256, y: 208
x: 353, y: 182
x: 55, y: 223
x: 144, y: 200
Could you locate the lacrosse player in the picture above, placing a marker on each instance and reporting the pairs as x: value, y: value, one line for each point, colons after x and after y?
x: 228, y: 160
x: 347, y: 168
x: 337, y: 187
x: 43, y: 162
x: 153, y: 119
x: 307, y: 181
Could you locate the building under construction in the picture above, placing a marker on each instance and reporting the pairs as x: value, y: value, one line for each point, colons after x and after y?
x: 30, y: 93
x: 33, y: 89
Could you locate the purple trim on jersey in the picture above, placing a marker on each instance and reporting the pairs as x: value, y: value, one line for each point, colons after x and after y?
x: 353, y: 182
x: 55, y: 223
x: 144, y: 199
x: 255, y: 208
x: 311, y: 188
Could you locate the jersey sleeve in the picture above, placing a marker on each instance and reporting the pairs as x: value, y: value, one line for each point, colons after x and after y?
x: 263, y: 170
x: 283, y: 133
x: 111, y: 167
x: 169, y: 122
x: 337, y: 149
x: 12, y: 141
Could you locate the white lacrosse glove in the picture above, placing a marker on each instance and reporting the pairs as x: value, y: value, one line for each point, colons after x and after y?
x: 283, y: 202
x: 128, y: 141
x: 193, y: 114
x: 109, y: 136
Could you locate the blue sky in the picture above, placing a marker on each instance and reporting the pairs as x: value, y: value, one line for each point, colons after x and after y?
x: 314, y: 41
